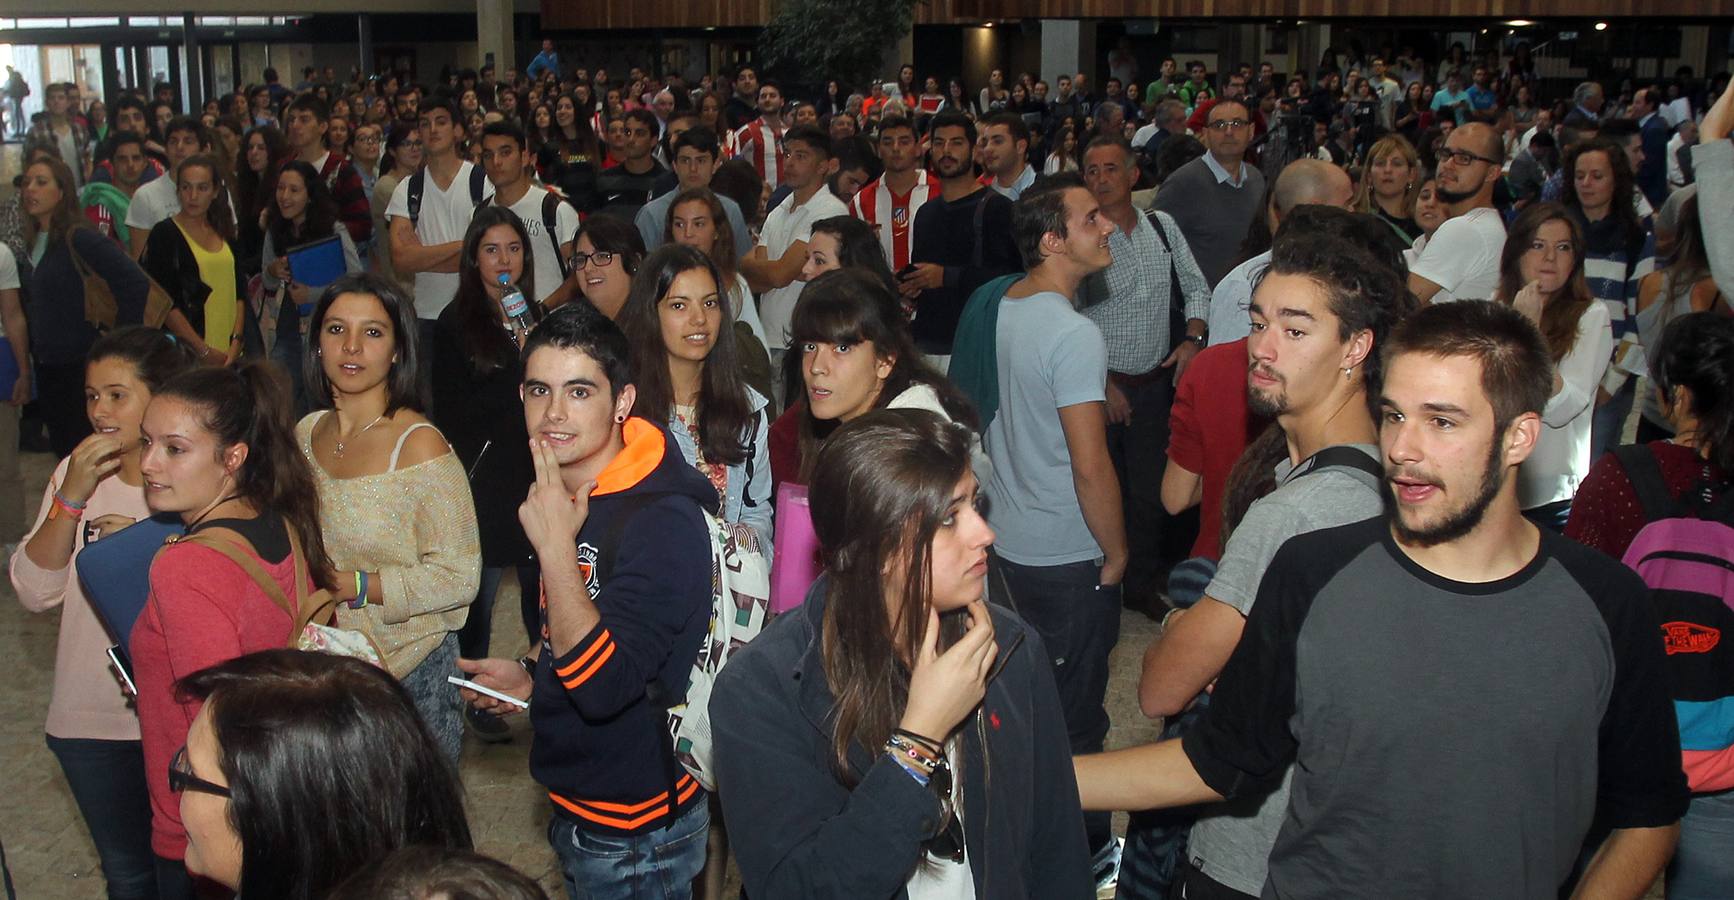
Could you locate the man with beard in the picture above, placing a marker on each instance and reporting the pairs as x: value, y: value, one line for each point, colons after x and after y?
x: 1461, y: 259
x: 964, y: 239
x: 1320, y: 316
x: 1462, y: 694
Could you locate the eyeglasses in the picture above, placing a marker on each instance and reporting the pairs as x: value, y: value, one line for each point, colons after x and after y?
x: 181, y: 778
x: 1226, y: 125
x: 600, y: 258
x: 1464, y: 157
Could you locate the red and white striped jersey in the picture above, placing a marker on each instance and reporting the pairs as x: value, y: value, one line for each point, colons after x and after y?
x: 893, y: 215
x: 762, y: 145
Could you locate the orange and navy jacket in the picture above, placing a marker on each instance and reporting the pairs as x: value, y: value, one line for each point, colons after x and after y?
x: 601, y: 744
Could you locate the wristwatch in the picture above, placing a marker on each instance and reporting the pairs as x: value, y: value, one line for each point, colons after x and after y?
x: 1198, y: 339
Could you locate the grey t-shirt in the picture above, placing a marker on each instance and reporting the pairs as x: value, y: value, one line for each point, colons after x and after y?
x: 1232, y: 842
x: 1448, y: 739
x: 1050, y: 357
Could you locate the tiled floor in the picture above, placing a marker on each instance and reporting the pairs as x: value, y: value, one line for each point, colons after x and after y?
x: 50, y: 852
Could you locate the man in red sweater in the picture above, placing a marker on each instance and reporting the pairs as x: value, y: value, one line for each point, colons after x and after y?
x: 308, y: 120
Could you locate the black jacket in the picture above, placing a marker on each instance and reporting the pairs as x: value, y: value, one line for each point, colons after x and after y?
x: 54, y: 295
x: 972, y: 238
x: 169, y: 259
x: 798, y: 832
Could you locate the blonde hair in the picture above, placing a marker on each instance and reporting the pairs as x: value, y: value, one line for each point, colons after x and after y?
x: 1383, y: 147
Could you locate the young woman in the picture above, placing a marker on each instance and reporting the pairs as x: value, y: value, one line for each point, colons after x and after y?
x: 571, y: 156
x: 861, y: 734
x: 303, y: 212
x: 928, y: 104
x: 1429, y: 215
x: 192, y: 254
x: 677, y: 322
x: 1541, y: 273
x: 1685, y: 286
x: 394, y: 504
x: 607, y: 255
x: 60, y: 245
x: 219, y: 452
x: 1389, y: 185
x: 402, y: 157
x: 855, y: 356
x: 291, y: 820
x: 262, y: 151
x: 957, y: 99
x: 1412, y: 115
x: 337, y: 136
x: 696, y: 219
x: 1064, y: 158
x: 476, y: 377
x: 1692, y: 368
x: 93, y: 493
x: 540, y: 132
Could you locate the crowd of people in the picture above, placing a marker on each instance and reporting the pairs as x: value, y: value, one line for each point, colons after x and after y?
x: 1328, y: 372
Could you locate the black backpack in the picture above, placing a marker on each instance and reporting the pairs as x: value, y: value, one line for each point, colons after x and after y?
x: 418, y: 184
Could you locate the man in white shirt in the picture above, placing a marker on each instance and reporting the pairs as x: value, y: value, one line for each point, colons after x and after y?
x: 774, y: 266
x: 1461, y: 260
x: 507, y: 159
x: 1005, y: 141
x: 427, y: 229
x: 158, y: 199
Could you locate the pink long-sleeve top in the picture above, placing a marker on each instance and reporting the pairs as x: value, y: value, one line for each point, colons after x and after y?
x: 87, y: 701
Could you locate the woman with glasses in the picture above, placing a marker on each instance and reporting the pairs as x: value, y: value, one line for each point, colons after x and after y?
x: 292, y: 777
x: 896, y: 735
x: 606, y: 257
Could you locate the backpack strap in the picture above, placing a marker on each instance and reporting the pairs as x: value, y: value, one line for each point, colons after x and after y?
x: 478, y: 178
x: 752, y: 451
x: 1645, y: 474
x: 1341, y: 456
x: 417, y: 183
x: 1176, y: 298
x: 237, y: 553
x: 550, y: 224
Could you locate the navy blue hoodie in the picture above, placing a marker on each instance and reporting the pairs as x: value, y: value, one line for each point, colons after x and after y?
x: 601, y: 747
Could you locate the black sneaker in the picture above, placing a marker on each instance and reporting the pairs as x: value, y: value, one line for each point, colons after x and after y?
x: 489, y: 728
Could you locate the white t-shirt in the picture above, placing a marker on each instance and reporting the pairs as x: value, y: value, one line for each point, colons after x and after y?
x: 1462, y: 257
x: 745, y: 308
x: 8, y: 277
x: 942, y: 879
x: 1561, y: 457
x: 154, y: 201
x: 444, y: 217
x: 545, y: 253
x: 785, y: 225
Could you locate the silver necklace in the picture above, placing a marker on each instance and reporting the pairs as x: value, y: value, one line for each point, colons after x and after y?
x: 356, y: 435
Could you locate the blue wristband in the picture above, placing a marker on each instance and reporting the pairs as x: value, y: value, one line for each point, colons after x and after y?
x: 919, y: 778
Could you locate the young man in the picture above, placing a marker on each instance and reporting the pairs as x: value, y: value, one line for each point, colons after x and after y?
x: 425, y: 242
x: 761, y: 139
x: 1053, y: 499
x: 966, y: 239
x: 58, y: 129
x: 308, y: 119
x: 624, y: 189
x: 1441, y: 749
x: 1197, y: 86
x: 106, y: 201
x: 507, y: 159
x: 891, y: 202
x: 158, y: 199
x: 696, y: 158
x: 1321, y: 312
x: 1461, y: 260
x: 128, y: 114
x: 1005, y: 155
x: 743, y: 105
x: 774, y: 266
x: 628, y: 820
x: 546, y: 61
x: 1216, y: 196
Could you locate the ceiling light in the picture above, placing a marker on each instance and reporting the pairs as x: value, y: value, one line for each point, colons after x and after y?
x: 1601, y: 26
x: 1519, y: 23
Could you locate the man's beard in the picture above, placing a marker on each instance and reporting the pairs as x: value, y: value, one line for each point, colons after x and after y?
x: 1263, y: 405
x: 1452, y: 198
x: 1459, y: 522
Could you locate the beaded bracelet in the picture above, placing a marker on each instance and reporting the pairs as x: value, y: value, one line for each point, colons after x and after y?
x: 915, y: 751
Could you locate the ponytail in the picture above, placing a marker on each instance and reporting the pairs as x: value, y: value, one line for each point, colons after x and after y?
x: 251, y: 406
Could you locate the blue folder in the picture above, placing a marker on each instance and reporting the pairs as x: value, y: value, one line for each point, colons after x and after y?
x: 115, y: 571
x: 319, y: 263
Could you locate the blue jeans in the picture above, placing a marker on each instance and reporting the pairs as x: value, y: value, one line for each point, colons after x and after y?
x: 1079, y: 621
x: 108, y: 784
x: 287, y: 351
x: 656, y: 865
x: 1703, y: 865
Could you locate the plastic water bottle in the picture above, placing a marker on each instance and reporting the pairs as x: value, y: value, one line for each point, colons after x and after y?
x: 516, y: 305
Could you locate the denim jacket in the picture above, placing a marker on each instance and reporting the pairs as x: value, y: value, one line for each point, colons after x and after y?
x: 748, y: 500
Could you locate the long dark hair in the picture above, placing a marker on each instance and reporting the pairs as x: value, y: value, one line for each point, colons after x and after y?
x: 154, y: 354
x: 254, y: 189
x: 318, y: 750
x: 1697, y: 353
x: 321, y: 216
x: 403, y: 388
x: 584, y: 139
x: 880, y: 489
x: 1620, y: 207
x: 723, y: 253
x: 849, y: 306
x: 251, y: 406
x: 394, y: 139
x: 1561, y: 312
x: 724, y: 413
x: 218, y: 215
x: 481, y: 330
x: 66, y: 213
x: 857, y: 247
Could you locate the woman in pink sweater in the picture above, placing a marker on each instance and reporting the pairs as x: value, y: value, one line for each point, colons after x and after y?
x: 219, y: 451
x: 93, y: 493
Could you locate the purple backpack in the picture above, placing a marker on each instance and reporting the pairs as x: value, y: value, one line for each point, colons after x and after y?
x: 1685, y: 553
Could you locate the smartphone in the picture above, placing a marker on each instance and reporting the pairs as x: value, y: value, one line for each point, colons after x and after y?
x: 464, y: 683
x: 122, y: 666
